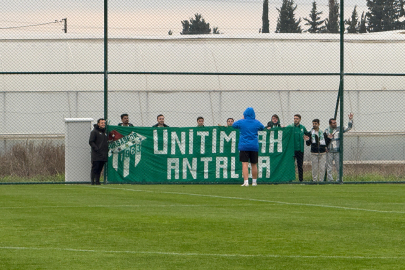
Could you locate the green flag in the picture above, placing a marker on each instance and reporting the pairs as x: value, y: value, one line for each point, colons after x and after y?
x: 195, y: 155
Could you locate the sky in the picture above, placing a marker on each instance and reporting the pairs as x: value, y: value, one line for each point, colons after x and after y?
x: 148, y: 17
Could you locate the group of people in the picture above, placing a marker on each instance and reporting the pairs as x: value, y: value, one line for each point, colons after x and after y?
x: 325, y: 145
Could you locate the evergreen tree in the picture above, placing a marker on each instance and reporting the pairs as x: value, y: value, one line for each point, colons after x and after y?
x: 383, y: 15
x: 362, y: 25
x: 314, y: 20
x: 332, y: 23
x: 215, y: 30
x: 353, y: 22
x: 286, y: 22
x: 265, y: 17
x: 402, y: 13
x: 195, y: 26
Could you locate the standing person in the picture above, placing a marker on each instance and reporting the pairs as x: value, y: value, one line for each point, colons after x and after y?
x: 125, y: 121
x: 99, y: 150
x: 248, y: 144
x: 229, y: 122
x: 300, y: 134
x: 333, y: 142
x: 318, y: 151
x: 200, y: 121
x: 275, y: 122
x: 160, y: 121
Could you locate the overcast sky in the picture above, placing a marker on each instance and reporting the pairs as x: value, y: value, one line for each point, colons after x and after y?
x: 149, y: 17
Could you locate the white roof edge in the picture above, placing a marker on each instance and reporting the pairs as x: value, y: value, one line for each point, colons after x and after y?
x: 79, y: 119
x: 389, y: 35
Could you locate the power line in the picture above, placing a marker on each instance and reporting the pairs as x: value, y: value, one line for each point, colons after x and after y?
x: 31, y: 25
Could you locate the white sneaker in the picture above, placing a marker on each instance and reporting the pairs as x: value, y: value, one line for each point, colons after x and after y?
x: 245, y: 185
x: 254, y: 184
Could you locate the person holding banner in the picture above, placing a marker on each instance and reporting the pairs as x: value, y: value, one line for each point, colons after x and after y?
x: 248, y: 144
x: 200, y: 121
x: 275, y: 122
x: 229, y: 122
x: 160, y: 121
x: 125, y: 121
x: 99, y: 150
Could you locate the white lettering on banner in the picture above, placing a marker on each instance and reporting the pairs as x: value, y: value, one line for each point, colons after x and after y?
x: 262, y: 141
x: 190, y: 141
x: 126, y: 162
x: 203, y: 134
x: 264, y: 163
x: 223, y: 137
x: 115, y: 160
x: 214, y: 141
x: 173, y: 164
x: 193, y: 168
x: 222, y: 163
x: 156, y: 143
x: 233, y: 174
x: 279, y: 142
x: 181, y: 144
x: 206, y: 171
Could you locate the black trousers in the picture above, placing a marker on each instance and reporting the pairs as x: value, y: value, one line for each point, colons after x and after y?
x: 299, y: 156
x: 96, y: 168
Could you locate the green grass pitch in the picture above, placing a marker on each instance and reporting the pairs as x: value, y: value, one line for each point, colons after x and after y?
x: 202, y: 227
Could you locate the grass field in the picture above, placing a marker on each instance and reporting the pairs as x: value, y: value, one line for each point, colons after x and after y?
x: 202, y: 227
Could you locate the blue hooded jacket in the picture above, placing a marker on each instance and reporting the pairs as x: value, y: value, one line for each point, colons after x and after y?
x: 249, y: 127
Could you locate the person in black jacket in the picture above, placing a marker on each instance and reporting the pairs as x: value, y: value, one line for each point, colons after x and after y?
x: 317, y: 140
x: 99, y: 150
x: 275, y: 122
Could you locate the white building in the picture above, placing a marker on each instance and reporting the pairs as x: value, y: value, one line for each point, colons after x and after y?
x: 37, y: 104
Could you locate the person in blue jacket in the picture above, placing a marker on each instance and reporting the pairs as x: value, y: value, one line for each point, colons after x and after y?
x: 248, y: 144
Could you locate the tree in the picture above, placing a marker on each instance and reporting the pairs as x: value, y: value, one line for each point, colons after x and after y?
x: 362, y: 25
x: 383, y: 15
x: 353, y: 22
x: 286, y: 22
x: 215, y: 30
x: 314, y: 20
x: 265, y: 17
x: 170, y: 32
x: 195, y: 26
x: 332, y: 23
x: 401, y: 3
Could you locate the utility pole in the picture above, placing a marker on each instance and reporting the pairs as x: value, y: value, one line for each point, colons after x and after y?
x: 65, y: 25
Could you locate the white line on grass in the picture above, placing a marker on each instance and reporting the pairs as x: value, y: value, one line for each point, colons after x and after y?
x: 206, y: 254
x: 105, y: 206
x: 258, y: 200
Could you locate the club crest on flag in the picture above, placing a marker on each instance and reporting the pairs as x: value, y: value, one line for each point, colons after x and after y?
x: 124, y: 149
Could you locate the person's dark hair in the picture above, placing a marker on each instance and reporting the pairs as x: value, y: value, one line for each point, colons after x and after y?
x: 200, y: 117
x: 316, y: 121
x: 229, y: 118
x: 159, y: 116
x: 124, y: 114
x: 98, y: 121
x: 298, y: 115
x: 276, y: 116
x: 331, y: 119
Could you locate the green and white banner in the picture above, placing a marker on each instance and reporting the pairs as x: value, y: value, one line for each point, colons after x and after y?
x: 195, y: 155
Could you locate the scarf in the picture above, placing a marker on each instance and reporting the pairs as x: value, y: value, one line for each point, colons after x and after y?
x: 315, y: 138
